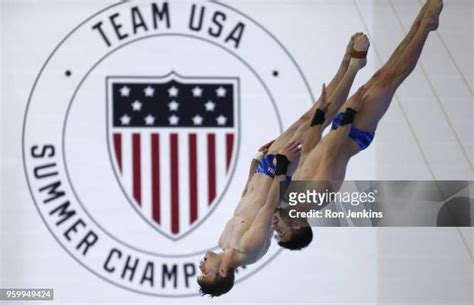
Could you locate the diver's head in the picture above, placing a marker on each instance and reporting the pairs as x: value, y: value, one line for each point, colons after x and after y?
x: 215, y: 279
x: 291, y: 233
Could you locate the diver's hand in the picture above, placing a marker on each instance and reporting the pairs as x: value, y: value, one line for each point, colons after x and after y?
x: 291, y: 150
x: 265, y: 147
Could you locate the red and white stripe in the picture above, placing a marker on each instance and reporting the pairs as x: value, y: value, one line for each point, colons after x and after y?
x: 174, y: 177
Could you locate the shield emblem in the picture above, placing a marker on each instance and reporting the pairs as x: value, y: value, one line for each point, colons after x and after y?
x: 173, y: 141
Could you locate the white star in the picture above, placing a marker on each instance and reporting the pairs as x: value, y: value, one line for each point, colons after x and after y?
x: 173, y: 91
x: 173, y: 120
x: 149, y: 91
x: 197, y: 91
x: 125, y: 119
x: 221, y: 91
x: 210, y: 106
x: 137, y: 106
x: 173, y: 106
x: 149, y: 120
x: 124, y: 91
x: 221, y: 120
x: 197, y: 119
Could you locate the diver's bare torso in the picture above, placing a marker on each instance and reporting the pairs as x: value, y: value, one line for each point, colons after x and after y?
x: 243, y: 218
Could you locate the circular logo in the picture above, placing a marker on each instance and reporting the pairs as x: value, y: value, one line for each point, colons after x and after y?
x: 134, y: 130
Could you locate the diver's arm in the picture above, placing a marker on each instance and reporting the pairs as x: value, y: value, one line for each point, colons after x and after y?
x: 254, y: 164
x: 257, y: 236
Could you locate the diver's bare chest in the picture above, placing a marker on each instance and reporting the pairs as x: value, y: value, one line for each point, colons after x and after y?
x: 236, y: 227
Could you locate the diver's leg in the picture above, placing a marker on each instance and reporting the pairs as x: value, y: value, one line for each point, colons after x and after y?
x: 381, y: 88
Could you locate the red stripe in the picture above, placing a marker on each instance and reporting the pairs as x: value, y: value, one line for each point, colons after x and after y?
x: 229, y: 148
x: 155, y: 179
x: 137, y: 184
x: 193, y: 190
x: 118, y: 149
x: 211, y: 166
x: 174, y: 183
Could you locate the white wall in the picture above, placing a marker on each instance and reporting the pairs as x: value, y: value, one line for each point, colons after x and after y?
x: 427, y: 134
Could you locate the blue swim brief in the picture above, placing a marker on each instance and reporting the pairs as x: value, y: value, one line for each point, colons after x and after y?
x: 362, y: 138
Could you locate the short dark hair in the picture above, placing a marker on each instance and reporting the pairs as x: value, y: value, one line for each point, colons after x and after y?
x: 299, y: 238
x: 219, y: 286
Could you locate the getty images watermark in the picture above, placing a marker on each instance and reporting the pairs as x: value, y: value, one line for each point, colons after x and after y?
x: 320, y: 198
x: 379, y: 203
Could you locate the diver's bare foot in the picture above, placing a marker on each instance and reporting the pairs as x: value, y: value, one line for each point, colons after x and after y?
x: 422, y: 12
x: 347, y: 54
x: 431, y: 18
x: 359, y: 51
x: 350, y: 46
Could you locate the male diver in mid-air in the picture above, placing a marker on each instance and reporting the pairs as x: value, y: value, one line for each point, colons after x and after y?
x: 325, y: 159
x: 246, y: 236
